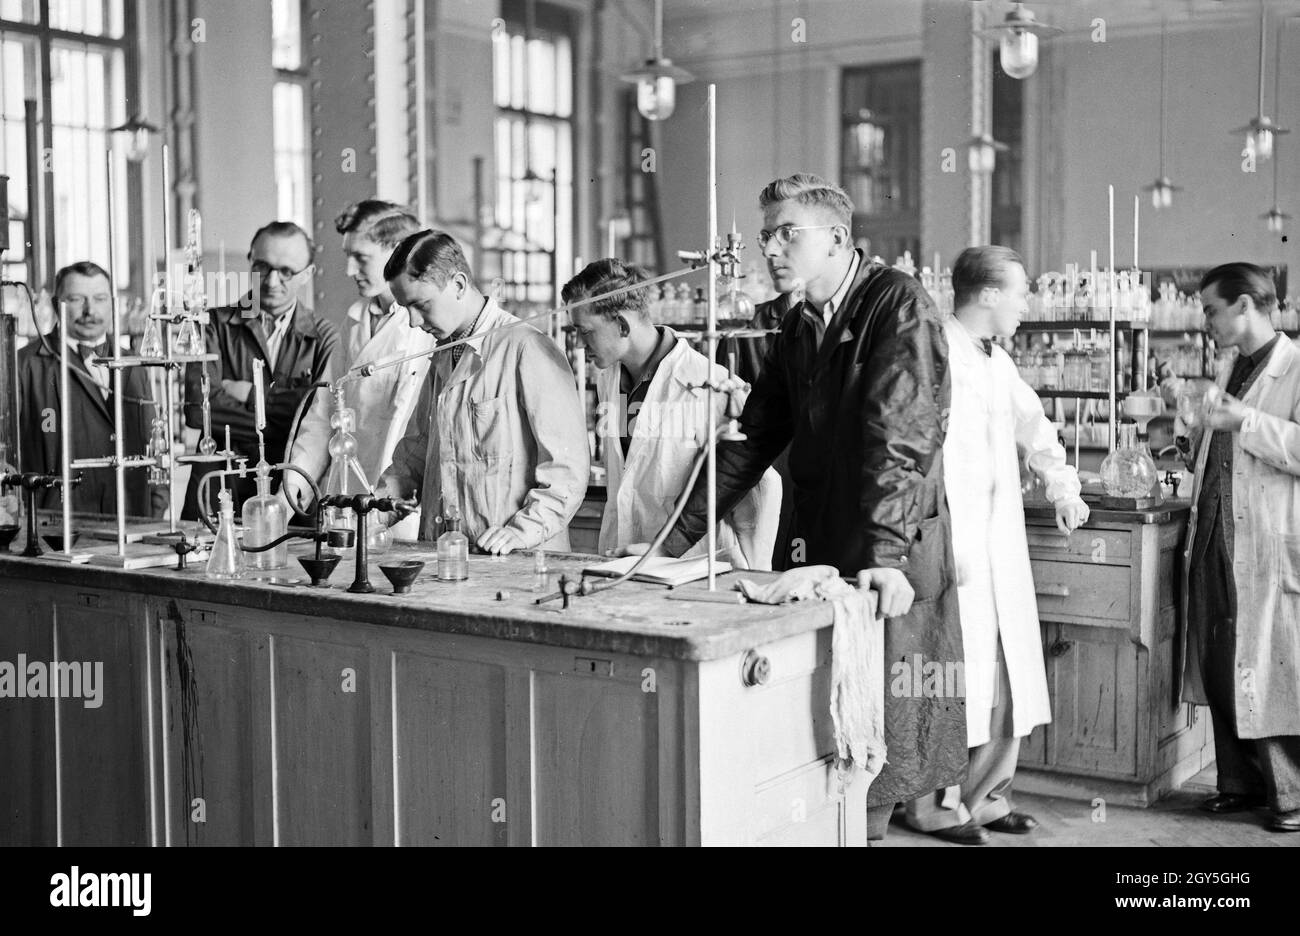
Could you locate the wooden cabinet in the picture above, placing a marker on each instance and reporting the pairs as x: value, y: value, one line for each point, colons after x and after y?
x: 253, y: 713
x: 1107, y: 601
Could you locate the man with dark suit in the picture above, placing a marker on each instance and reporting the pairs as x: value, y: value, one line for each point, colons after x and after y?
x: 86, y: 290
x: 856, y: 385
x: 273, y: 324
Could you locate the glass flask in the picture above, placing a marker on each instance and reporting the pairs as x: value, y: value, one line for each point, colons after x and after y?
x: 1129, y: 471
x: 453, y: 549
x: 227, y: 559
x: 266, y: 518
x: 345, y: 476
x: 151, y: 345
x: 734, y: 305
x: 186, y: 341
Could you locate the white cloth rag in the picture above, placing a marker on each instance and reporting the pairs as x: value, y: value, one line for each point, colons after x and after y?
x: 857, y: 701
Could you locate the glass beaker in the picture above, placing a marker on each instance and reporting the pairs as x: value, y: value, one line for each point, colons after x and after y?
x: 1194, y: 399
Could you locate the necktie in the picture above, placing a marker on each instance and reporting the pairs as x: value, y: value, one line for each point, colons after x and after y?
x: 274, y: 337
x: 97, y: 371
x: 986, y: 345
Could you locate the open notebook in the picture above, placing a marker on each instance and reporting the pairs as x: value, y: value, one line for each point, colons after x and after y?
x: 661, y: 570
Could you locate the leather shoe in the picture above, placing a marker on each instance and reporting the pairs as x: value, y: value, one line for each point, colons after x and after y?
x: 1013, y: 823
x: 967, y: 834
x: 1286, y: 821
x: 1232, y: 802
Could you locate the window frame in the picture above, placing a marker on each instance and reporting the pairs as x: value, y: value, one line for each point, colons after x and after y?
x: 42, y: 261
x: 549, y: 21
x: 301, y: 78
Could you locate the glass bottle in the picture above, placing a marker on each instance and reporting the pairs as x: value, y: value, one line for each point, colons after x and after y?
x: 453, y: 549
x: 1129, y: 471
x: 1099, y: 367
x: 266, y: 519
x: 345, y: 476
x: 541, y: 574
x: 226, y: 560
x: 701, y: 306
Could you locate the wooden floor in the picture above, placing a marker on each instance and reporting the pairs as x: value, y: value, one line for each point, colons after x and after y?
x: 1173, y: 822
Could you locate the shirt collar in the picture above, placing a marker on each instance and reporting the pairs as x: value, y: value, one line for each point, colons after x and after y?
x: 662, y: 349
x: 836, y: 301
x: 976, y: 341
x: 1255, y: 359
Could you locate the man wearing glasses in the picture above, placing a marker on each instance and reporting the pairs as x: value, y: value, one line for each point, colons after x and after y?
x: 270, y: 323
x: 856, y: 385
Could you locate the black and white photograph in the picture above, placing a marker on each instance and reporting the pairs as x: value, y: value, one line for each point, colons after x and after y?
x: 601, y: 423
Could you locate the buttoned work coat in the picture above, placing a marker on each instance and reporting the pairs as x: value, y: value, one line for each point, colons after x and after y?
x: 92, y: 430
x: 864, y: 418
x: 1266, y: 553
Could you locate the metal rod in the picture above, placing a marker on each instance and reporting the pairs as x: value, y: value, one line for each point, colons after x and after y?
x: 65, y: 427
x: 1114, y: 351
x: 119, y: 442
x: 1263, y: 13
x: 169, y: 400
x: 365, y: 370
x: 711, y: 342
x: 167, y: 234
x: 33, y: 194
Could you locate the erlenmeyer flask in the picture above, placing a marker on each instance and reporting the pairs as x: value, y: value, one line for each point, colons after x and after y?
x: 227, y: 559
x: 187, y: 342
x: 151, y: 345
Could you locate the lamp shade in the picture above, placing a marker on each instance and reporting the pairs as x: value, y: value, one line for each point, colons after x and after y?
x: 656, y: 87
x: 137, y: 132
x: 1019, y: 48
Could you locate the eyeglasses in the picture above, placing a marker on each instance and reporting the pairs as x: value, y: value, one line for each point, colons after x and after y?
x: 263, y: 269
x: 785, y: 233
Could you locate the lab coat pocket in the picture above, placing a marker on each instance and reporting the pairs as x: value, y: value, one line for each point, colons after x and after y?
x: 1287, y: 550
x: 925, y: 561
x: 489, y: 424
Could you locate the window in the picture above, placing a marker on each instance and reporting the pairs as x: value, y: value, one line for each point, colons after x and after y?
x: 533, y: 90
x: 68, y: 57
x: 880, y: 131
x: 1006, y: 227
x: 290, y: 118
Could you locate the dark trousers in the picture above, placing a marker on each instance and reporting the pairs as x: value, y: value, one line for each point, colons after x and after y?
x: 1268, y: 767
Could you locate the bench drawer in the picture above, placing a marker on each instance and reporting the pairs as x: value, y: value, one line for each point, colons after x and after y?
x: 1085, y: 545
x: 1068, y: 590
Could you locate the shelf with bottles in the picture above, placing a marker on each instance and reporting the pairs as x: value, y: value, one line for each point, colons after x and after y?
x: 1065, y: 325
x: 1080, y: 298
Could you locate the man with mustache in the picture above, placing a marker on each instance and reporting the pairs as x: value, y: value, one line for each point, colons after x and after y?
x: 84, y: 287
x: 273, y: 324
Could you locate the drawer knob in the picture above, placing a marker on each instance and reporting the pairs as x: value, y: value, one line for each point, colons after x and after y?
x: 1060, y: 647
x: 755, y: 669
x: 1051, y: 590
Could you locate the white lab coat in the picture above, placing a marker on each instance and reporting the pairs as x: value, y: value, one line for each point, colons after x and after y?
x: 669, y: 428
x: 994, y: 412
x: 383, y: 402
x: 1266, y: 551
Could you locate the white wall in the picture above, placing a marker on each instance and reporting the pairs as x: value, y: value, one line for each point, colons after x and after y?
x: 1111, y: 137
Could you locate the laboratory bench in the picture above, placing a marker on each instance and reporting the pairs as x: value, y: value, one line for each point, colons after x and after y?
x: 265, y: 711
x: 1108, y: 607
